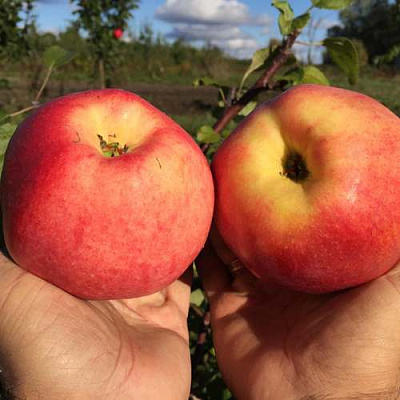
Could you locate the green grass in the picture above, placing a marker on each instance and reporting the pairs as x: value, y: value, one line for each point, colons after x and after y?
x: 374, y: 83
x: 192, y: 123
x: 384, y: 87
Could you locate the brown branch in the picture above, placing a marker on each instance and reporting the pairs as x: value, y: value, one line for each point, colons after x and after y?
x: 14, y: 114
x: 281, y: 55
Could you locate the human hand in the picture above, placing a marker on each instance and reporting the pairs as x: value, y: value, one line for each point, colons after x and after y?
x: 56, y: 346
x: 272, y: 343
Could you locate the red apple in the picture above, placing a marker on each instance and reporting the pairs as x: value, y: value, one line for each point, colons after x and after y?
x: 105, y: 196
x: 308, y: 189
x: 118, y: 33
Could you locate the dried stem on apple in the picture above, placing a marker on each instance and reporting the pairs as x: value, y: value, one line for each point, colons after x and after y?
x: 111, y: 148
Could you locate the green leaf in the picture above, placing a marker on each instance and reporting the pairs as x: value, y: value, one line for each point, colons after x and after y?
x: 248, y: 108
x: 226, y: 132
x: 300, y: 22
x: 206, y: 134
x: 314, y: 75
x: 226, y: 395
x: 303, y: 75
x: 389, y: 56
x: 205, y: 81
x: 7, y: 130
x: 344, y: 54
x: 56, y: 56
x: 332, y: 4
x: 259, y: 58
x: 286, y: 16
x: 197, y: 297
x: 294, y: 76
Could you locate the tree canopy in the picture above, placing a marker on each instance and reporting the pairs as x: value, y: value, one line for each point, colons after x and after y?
x: 375, y: 22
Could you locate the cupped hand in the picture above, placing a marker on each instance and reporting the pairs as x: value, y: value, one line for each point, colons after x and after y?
x: 272, y: 343
x: 56, y: 346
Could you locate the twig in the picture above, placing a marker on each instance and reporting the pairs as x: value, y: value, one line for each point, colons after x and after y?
x: 309, y: 43
x: 14, y: 114
x: 282, y: 53
x: 34, y: 102
x: 46, y: 79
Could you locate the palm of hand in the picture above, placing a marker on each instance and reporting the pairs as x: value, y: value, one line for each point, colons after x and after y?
x: 91, y: 349
x: 275, y: 344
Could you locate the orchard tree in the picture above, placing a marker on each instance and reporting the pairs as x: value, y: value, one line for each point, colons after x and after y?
x: 104, y: 22
x: 277, y: 69
x: 16, y: 19
x: 374, y: 22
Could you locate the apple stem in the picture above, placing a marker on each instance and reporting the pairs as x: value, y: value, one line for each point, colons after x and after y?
x: 111, y: 149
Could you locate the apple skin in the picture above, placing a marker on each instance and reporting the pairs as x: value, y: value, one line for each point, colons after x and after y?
x: 105, y: 227
x: 339, y: 227
x: 118, y: 33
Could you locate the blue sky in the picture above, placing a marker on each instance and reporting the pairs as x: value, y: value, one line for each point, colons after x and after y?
x: 237, y: 26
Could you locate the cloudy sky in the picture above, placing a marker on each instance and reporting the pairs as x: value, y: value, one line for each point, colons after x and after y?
x: 239, y: 27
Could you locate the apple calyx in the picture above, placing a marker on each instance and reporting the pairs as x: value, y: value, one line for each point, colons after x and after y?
x: 111, y: 148
x: 295, y: 167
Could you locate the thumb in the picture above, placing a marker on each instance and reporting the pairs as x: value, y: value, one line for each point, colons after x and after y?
x: 394, y: 275
x: 213, y: 273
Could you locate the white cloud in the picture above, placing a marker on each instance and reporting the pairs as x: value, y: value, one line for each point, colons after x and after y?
x: 205, y: 32
x: 323, y: 23
x: 205, y: 11
x: 243, y: 47
x: 214, y: 21
x: 229, y: 38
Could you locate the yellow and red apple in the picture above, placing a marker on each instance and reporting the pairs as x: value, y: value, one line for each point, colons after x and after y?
x: 105, y: 196
x: 308, y: 189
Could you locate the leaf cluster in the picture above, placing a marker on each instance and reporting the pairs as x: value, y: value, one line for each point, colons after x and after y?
x: 376, y: 23
x: 290, y: 72
x: 207, y: 382
x: 287, y: 21
x: 15, y: 21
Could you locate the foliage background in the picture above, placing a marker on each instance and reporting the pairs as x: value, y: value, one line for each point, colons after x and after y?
x: 163, y: 72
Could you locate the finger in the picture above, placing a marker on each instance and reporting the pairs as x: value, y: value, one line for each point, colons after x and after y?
x: 241, y: 279
x: 394, y: 276
x: 179, y: 291
x: 213, y: 273
x: 221, y: 249
x: 10, y: 274
x: 395, y: 272
x: 6, y: 264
